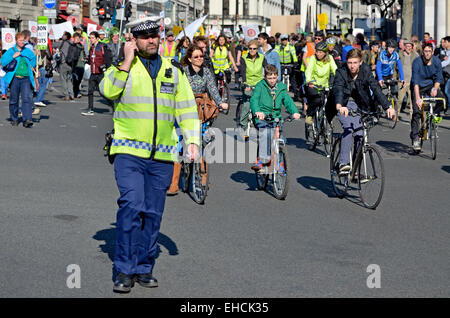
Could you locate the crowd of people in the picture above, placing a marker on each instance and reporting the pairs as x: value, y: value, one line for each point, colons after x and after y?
x: 155, y: 85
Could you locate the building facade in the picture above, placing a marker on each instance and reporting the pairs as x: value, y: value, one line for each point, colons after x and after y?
x: 234, y: 13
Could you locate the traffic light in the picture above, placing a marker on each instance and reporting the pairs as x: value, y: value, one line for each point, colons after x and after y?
x: 109, y: 8
x: 101, y: 9
x: 128, y: 12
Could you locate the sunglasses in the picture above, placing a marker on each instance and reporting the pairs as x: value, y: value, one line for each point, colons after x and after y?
x: 253, y: 48
x: 197, y: 57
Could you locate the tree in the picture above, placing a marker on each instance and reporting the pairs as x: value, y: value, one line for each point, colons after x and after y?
x: 407, y: 18
x: 385, y: 6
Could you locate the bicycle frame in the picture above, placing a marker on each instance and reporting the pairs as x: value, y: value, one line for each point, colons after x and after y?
x: 429, y: 101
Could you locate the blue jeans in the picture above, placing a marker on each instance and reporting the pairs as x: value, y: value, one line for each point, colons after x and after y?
x: 43, y: 81
x: 21, y: 86
x: 265, y: 133
x: 142, y: 184
x: 3, y: 86
x: 349, y: 124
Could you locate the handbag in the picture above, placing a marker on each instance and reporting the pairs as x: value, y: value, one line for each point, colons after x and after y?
x: 11, y: 66
x: 207, y: 109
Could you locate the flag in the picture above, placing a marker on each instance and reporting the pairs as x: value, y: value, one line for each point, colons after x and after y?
x: 192, y: 28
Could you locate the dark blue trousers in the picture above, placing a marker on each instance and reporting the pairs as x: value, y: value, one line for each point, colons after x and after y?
x: 21, y: 86
x: 142, y: 184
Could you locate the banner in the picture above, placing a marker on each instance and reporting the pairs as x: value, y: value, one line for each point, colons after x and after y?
x: 91, y: 28
x: 8, y: 38
x: 250, y: 32
x: 42, y: 33
x: 59, y: 29
x: 322, y: 18
x: 192, y: 28
x: 33, y: 27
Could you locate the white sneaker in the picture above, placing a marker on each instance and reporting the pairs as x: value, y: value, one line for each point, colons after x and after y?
x: 88, y: 113
x: 40, y: 104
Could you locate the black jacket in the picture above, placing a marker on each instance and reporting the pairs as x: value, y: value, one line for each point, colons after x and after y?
x: 364, y: 84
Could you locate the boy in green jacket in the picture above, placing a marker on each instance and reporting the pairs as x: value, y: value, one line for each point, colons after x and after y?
x: 268, y: 98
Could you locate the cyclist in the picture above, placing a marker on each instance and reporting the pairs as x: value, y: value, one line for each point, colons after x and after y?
x: 426, y: 80
x: 352, y: 89
x: 268, y: 98
x: 252, y: 73
x: 182, y: 46
x: 320, y: 71
x: 334, y: 50
x: 202, y: 81
x: 288, y: 57
x: 222, y: 58
x: 371, y: 57
x: 386, y: 64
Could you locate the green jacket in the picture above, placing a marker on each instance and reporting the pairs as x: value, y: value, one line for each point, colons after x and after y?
x: 262, y: 101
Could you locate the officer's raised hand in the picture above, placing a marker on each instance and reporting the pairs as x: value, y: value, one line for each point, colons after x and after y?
x: 129, y: 51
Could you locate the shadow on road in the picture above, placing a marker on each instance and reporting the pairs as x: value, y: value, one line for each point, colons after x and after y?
x: 108, y: 236
x: 321, y: 184
x: 446, y: 168
x: 395, y: 147
x: 298, y: 142
x: 245, y: 177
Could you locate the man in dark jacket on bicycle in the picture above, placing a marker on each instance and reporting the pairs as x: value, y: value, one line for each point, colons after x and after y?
x: 351, y: 90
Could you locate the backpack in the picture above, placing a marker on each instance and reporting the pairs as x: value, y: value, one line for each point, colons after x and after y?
x: 72, y: 55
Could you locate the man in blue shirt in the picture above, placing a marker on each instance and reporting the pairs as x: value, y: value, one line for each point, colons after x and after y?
x: 426, y: 81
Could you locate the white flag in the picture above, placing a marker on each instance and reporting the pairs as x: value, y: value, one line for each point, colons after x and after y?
x: 192, y: 28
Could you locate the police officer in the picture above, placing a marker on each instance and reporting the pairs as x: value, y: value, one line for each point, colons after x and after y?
x: 288, y: 58
x: 150, y: 94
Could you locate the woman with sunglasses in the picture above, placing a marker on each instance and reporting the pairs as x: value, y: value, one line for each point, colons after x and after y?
x: 202, y: 81
x: 252, y: 65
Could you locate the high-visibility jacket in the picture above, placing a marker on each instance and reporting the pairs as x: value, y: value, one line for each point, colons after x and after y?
x: 253, y: 69
x: 319, y: 72
x: 310, y: 51
x: 165, y: 50
x: 287, y: 54
x: 145, y: 110
x: 220, y: 59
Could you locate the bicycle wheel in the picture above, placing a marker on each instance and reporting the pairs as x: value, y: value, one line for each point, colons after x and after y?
x: 371, y: 177
x: 433, y: 137
x: 261, y: 180
x: 280, y: 176
x: 184, y: 176
x: 340, y: 183
x: 199, y: 182
x: 237, y: 117
x: 327, y: 131
x: 385, y: 121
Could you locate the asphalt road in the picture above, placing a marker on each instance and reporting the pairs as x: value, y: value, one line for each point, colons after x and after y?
x: 58, y: 205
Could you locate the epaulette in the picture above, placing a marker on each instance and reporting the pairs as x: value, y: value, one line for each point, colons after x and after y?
x: 177, y: 65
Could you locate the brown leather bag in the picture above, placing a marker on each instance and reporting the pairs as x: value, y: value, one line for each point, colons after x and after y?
x: 206, y: 107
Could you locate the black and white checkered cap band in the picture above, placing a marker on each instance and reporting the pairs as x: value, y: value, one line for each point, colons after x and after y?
x: 146, y: 28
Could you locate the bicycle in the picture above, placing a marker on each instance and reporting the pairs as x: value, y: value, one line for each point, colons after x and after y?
x: 430, y: 121
x: 389, y: 84
x: 286, y: 70
x: 367, y: 167
x: 222, y: 86
x: 320, y: 131
x: 239, y: 106
x: 194, y: 176
x: 279, y: 162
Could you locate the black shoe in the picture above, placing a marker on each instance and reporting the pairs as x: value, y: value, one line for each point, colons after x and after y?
x: 14, y: 122
x: 27, y: 124
x: 146, y: 280
x: 123, y: 283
